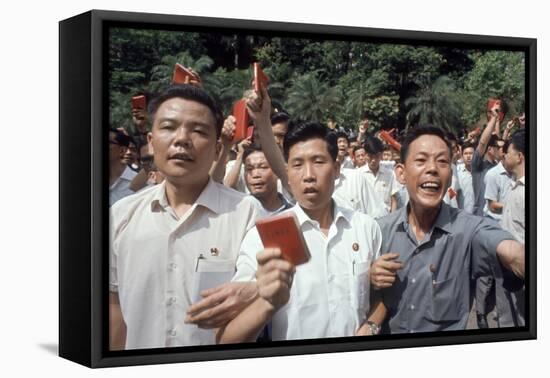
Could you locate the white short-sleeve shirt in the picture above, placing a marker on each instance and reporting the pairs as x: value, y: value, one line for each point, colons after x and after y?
x: 497, y: 185
x: 384, y: 182
x: 159, y: 263
x: 466, y: 188
x: 329, y: 296
x: 354, y: 191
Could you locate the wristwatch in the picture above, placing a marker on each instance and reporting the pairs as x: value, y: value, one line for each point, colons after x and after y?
x: 373, y: 327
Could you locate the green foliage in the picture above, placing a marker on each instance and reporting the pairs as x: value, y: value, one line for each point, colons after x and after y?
x: 393, y: 85
x: 310, y: 98
x: 437, y: 104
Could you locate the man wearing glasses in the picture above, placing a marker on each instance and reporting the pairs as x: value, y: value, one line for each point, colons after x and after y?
x: 120, y: 175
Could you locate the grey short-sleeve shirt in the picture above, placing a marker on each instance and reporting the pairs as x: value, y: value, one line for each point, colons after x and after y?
x: 432, y: 291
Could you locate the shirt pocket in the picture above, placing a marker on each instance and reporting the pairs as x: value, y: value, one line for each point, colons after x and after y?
x: 445, y: 300
x: 210, y: 273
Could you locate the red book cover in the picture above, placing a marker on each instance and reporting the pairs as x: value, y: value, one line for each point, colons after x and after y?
x: 250, y: 133
x: 260, y: 78
x: 386, y: 137
x: 283, y: 232
x: 182, y: 75
x: 242, y: 120
x: 139, y: 102
x: 492, y: 102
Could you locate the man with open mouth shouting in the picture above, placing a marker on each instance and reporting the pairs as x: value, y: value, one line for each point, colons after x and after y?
x: 430, y: 251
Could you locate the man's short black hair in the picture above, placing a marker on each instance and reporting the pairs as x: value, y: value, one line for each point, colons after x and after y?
x: 468, y: 145
x: 357, y: 148
x: 518, y: 140
x: 373, y: 146
x: 250, y: 149
x: 311, y: 130
x: 341, y: 134
x: 121, y: 138
x: 192, y: 93
x: 416, y: 133
x: 279, y: 117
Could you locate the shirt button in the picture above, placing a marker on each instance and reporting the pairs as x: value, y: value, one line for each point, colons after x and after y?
x: 412, y: 307
x: 173, y: 332
x: 172, y: 300
x: 413, y: 280
x: 173, y: 266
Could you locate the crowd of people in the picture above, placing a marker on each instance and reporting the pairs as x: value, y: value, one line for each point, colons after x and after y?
x: 401, y: 241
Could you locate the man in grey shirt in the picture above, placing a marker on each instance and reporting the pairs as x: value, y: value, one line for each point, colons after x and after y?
x: 430, y: 250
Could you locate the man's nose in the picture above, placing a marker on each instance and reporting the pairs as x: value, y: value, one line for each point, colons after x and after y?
x: 309, y: 173
x: 182, y: 137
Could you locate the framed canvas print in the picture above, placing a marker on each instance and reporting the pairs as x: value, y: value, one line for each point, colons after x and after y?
x: 234, y: 188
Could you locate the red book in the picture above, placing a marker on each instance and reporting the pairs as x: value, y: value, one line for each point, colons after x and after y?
x: 250, y: 133
x: 283, y: 232
x: 139, y: 102
x: 260, y: 79
x: 242, y: 120
x: 182, y: 75
x: 492, y: 102
x: 386, y: 137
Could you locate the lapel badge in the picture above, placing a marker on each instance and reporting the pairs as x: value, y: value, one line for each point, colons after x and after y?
x: 355, y: 247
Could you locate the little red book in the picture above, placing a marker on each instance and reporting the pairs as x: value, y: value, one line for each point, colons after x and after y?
x: 182, y: 75
x: 283, y: 231
x: 138, y: 102
x: 242, y: 120
x: 260, y: 78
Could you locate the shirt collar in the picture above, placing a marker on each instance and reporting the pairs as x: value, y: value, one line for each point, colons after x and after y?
x: 127, y: 174
x: 443, y: 220
x: 208, y: 198
x: 339, y: 212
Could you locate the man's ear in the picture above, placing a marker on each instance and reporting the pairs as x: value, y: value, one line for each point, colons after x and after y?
x: 400, y: 173
x: 150, y: 143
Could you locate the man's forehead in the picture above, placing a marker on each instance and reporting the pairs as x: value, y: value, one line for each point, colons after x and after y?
x: 430, y: 144
x: 177, y: 106
x: 313, y: 146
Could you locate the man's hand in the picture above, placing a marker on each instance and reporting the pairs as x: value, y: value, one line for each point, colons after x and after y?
x: 384, y: 270
x: 259, y: 107
x: 221, y: 304
x: 243, y: 145
x: 139, y: 117
x: 228, y: 130
x: 274, y: 277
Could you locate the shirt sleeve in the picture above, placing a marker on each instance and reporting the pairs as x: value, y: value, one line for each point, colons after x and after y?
x: 394, y: 187
x: 247, y: 264
x: 485, y: 240
x: 491, y: 186
x: 477, y: 162
x: 113, y: 275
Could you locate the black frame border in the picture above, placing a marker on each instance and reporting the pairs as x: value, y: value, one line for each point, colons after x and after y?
x: 83, y: 231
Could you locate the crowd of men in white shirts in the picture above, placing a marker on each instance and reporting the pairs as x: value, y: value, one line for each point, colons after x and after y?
x: 396, y: 238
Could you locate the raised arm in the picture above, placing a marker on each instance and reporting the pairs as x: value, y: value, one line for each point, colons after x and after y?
x: 489, y: 130
x: 259, y: 109
x: 217, y: 171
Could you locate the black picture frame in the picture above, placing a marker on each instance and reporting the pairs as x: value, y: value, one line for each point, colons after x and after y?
x: 83, y: 232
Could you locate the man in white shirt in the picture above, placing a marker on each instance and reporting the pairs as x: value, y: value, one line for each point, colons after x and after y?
x: 383, y: 181
x: 178, y: 241
x: 498, y: 182
x: 329, y: 295
x: 466, y: 198
x: 262, y: 182
x: 343, y: 147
